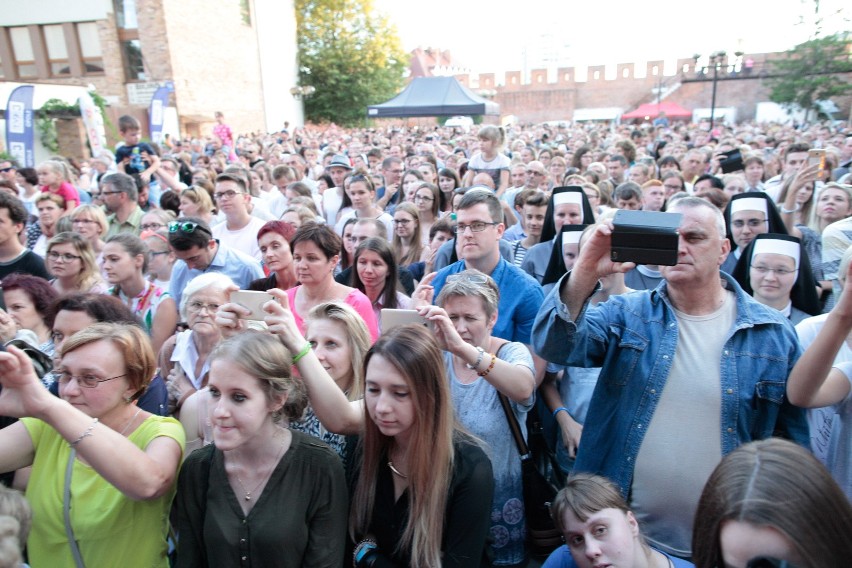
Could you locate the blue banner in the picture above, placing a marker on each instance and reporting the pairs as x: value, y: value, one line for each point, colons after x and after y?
x: 157, y: 112
x: 19, y: 126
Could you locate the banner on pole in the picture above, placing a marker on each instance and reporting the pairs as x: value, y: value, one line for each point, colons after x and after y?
x: 19, y: 126
x: 156, y: 113
x: 93, y: 121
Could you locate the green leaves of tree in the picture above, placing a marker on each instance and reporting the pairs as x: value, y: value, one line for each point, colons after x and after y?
x: 351, y: 55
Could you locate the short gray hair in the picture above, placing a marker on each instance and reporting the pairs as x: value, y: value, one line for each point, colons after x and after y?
x: 123, y: 183
x: 213, y: 280
x: 471, y: 283
x: 692, y: 202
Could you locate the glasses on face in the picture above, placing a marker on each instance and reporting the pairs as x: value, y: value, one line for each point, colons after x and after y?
x: 4, y: 170
x: 195, y: 306
x: 673, y: 187
x: 223, y: 194
x: 752, y: 223
x: 85, y: 381
x: 763, y: 270
x: 110, y: 192
x: 66, y: 257
x: 424, y: 198
x: 475, y: 227
x: 403, y: 222
x: 151, y: 226
x: 185, y: 227
x: 159, y: 252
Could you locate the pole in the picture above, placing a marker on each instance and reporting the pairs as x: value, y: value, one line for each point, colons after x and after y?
x: 713, y: 101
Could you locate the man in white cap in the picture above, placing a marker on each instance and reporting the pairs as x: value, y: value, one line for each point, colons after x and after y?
x: 689, y: 372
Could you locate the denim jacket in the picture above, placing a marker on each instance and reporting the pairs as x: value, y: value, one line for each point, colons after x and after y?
x: 633, y: 337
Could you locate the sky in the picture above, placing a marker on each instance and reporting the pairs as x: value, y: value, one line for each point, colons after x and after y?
x: 494, y: 36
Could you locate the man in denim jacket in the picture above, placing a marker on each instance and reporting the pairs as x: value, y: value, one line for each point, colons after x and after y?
x: 691, y: 370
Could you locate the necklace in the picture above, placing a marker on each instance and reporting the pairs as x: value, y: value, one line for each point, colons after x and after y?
x: 126, y: 426
x: 266, y: 477
x: 396, y: 471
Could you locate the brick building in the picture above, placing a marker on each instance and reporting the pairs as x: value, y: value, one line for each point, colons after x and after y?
x: 234, y: 56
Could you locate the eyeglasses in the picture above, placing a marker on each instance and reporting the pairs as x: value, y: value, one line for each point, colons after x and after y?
x: 423, y: 198
x: 763, y: 270
x: 151, y: 226
x: 223, y: 194
x: 186, y: 227
x: 197, y: 306
x: 158, y: 253
x: 52, y: 255
x: 83, y: 222
x: 475, y: 227
x: 673, y: 187
x: 752, y: 223
x: 110, y: 192
x: 472, y: 278
x: 4, y: 170
x: 402, y: 222
x: 85, y: 381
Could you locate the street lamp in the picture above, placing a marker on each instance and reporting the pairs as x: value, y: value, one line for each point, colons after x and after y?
x: 717, y: 60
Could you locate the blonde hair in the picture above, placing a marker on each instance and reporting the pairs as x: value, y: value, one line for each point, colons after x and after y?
x: 200, y: 197
x: 14, y: 505
x: 89, y: 274
x: 93, y: 211
x: 262, y: 355
x: 357, y: 335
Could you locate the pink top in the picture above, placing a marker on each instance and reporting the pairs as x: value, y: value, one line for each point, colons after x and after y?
x: 66, y: 191
x: 356, y: 298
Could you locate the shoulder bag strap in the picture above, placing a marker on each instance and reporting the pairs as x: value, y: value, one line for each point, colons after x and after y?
x: 521, y: 444
x: 66, y: 511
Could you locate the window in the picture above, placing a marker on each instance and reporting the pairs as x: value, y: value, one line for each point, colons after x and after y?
x: 134, y: 67
x: 57, y: 50
x: 625, y: 72
x: 90, y: 48
x: 23, y: 49
x: 125, y: 14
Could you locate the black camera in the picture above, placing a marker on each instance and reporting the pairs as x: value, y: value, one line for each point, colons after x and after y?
x: 731, y: 162
x: 645, y: 237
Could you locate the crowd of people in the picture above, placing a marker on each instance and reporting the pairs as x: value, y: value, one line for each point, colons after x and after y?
x: 697, y: 413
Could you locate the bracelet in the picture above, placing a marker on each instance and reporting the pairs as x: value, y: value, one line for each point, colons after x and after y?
x: 475, y: 366
x: 491, y: 366
x: 305, y: 350
x: 363, y: 550
x: 560, y: 409
x: 85, y: 434
x: 789, y: 211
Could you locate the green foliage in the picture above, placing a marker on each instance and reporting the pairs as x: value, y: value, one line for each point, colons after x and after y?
x: 56, y: 108
x: 813, y: 71
x: 352, y: 56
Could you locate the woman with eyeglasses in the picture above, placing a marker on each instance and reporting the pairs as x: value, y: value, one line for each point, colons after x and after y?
x: 161, y: 259
x: 362, y: 195
x: 407, y: 235
x: 184, y: 358
x: 72, y: 262
x: 125, y: 264
x: 156, y: 220
x: 775, y: 270
x: 90, y: 222
x: 747, y: 215
x: 103, y: 470
x: 427, y: 200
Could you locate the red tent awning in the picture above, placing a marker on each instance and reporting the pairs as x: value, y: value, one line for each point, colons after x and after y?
x: 651, y: 110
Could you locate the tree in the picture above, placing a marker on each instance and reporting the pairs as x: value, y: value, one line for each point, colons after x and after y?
x: 351, y: 55
x: 815, y: 70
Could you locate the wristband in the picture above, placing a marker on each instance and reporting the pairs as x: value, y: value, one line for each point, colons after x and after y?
x: 789, y: 211
x: 473, y: 367
x: 305, y: 350
x: 491, y: 366
x: 560, y: 409
x: 363, y: 551
x: 85, y: 434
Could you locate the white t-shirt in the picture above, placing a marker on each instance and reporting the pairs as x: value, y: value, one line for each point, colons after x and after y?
x: 243, y: 240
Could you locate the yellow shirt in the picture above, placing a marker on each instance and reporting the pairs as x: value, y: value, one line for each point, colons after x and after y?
x: 110, y: 528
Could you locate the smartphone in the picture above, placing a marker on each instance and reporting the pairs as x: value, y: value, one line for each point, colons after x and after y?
x: 817, y: 156
x: 253, y: 301
x: 395, y: 318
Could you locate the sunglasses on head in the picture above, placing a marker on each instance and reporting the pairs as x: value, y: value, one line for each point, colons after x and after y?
x: 186, y: 227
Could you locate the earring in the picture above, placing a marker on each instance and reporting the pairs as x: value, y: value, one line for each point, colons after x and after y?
x: 128, y: 399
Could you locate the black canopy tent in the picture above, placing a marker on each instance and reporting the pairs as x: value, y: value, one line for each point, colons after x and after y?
x: 434, y: 96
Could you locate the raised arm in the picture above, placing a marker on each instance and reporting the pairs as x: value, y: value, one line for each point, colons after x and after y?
x: 331, y: 406
x: 812, y: 383
x: 139, y: 474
